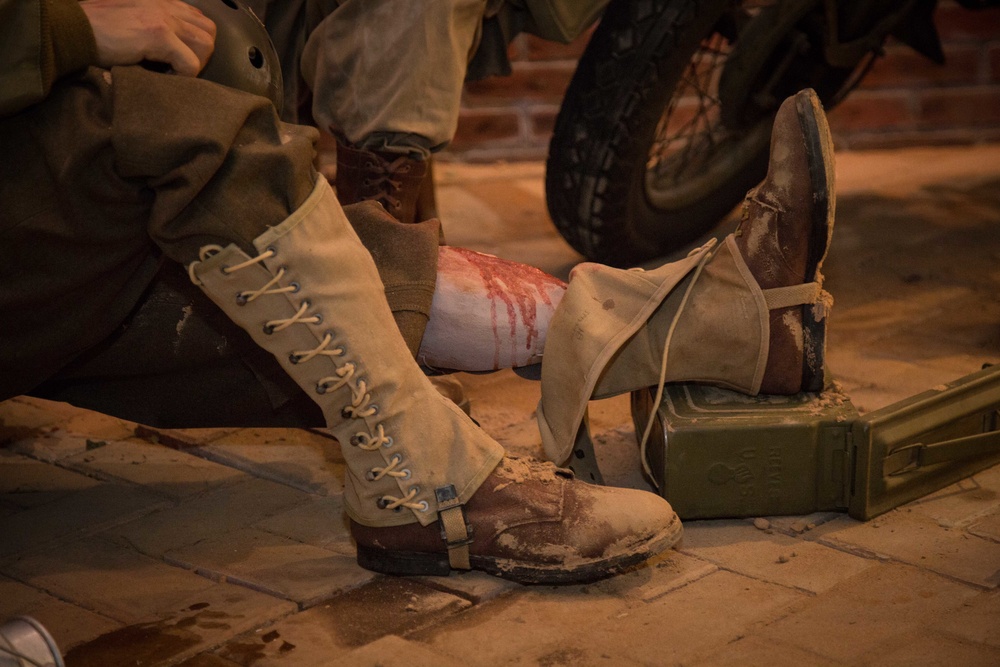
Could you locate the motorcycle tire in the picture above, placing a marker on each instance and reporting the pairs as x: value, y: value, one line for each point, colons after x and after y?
x: 605, y: 188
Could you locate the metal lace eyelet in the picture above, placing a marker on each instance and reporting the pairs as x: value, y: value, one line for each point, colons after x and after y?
x: 388, y: 442
x: 274, y: 251
x: 294, y: 358
x: 241, y: 299
x: 370, y: 476
x: 406, y: 474
x: 295, y: 287
x: 374, y: 409
x: 424, y: 506
x: 224, y: 270
x: 320, y: 388
x: 268, y: 329
x: 381, y: 503
x: 358, y: 439
x: 319, y: 318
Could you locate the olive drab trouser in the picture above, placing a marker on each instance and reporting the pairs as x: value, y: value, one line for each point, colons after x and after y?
x: 388, y: 75
x: 94, y: 312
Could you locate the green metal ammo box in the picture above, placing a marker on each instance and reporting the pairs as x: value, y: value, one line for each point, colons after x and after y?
x: 716, y: 453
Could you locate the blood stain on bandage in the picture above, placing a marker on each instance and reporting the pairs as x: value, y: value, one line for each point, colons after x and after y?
x: 519, y: 288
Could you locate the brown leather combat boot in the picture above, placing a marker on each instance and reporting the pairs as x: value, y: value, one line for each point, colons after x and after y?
x: 747, y: 314
x: 784, y: 235
x: 395, y: 181
x: 533, y: 523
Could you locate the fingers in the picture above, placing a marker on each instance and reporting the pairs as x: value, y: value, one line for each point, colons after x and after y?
x: 191, y: 45
x: 168, y: 31
x: 186, y: 41
x: 197, y: 32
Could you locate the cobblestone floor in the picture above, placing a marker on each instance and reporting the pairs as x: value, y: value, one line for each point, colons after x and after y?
x: 227, y: 548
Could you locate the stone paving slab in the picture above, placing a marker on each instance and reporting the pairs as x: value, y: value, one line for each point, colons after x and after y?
x: 927, y: 648
x: 53, y: 446
x: 769, y: 556
x: 918, y: 540
x: 191, y: 627
x: 657, y: 577
x: 330, y: 630
x: 548, y: 620
x: 859, y: 615
x: 207, y: 660
x: 962, y: 503
x: 25, y: 482
x: 689, y: 622
x: 170, y: 472
x: 24, y: 413
x: 770, y: 652
x: 73, y: 515
x: 319, y: 521
x: 69, y: 624
x: 976, y: 620
x: 988, y: 527
x: 97, y: 574
x: 273, y: 564
x: 393, y: 651
x: 295, y: 457
x: 209, y: 515
x: 476, y: 587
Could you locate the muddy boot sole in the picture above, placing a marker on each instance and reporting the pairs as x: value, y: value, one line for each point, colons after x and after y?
x: 578, y: 572
x: 814, y: 126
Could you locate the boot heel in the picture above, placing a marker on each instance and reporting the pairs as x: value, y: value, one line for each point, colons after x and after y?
x: 403, y: 563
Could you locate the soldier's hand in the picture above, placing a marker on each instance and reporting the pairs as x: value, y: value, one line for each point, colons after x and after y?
x: 165, y: 31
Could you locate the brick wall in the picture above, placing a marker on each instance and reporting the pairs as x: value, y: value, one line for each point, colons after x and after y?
x: 904, y: 100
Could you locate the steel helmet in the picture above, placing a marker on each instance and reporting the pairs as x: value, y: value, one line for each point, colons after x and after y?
x: 244, y: 57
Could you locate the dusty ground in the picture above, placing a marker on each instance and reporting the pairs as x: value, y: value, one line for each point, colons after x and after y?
x: 225, y: 548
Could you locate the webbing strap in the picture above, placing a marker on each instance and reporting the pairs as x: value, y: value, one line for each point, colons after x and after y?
x: 792, y: 295
x: 455, y: 531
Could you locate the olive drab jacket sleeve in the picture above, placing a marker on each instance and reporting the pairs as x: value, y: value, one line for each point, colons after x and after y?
x: 40, y: 41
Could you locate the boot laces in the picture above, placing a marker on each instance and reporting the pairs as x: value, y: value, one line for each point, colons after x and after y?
x: 301, y: 356
x: 371, y: 442
x: 299, y: 317
x: 644, y: 441
x: 360, y: 406
x: 376, y: 473
x: 383, y: 184
x: 393, y: 503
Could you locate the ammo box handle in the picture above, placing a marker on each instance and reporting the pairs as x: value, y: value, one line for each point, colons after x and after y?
x: 919, y: 454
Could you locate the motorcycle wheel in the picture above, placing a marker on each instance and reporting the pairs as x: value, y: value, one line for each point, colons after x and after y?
x: 666, y: 122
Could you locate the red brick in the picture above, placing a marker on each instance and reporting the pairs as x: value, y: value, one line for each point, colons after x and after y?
x: 956, y: 22
x: 904, y: 67
x: 536, y: 48
x: 543, y: 121
x: 484, y: 127
x: 962, y: 106
x: 869, y: 110
x: 528, y: 82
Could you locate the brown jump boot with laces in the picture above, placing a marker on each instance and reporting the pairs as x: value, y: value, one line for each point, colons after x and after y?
x: 748, y: 314
x: 404, y: 246
x: 393, y: 180
x: 427, y: 491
